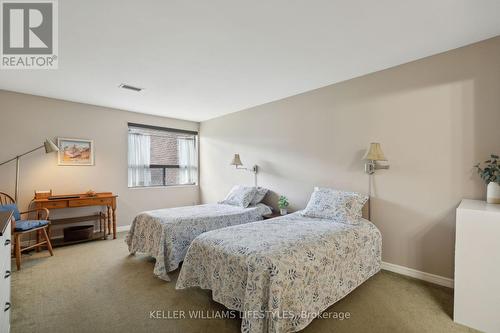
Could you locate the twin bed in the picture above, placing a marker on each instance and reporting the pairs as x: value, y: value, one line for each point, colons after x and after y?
x: 280, y: 273
x: 165, y: 234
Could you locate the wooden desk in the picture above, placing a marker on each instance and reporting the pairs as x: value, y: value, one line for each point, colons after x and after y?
x: 106, y: 199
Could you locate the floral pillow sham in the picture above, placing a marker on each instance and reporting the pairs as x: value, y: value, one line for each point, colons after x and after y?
x: 340, y: 206
x: 240, y: 196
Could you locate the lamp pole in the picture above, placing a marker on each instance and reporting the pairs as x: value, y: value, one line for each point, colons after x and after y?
x: 16, y: 193
x: 49, y: 148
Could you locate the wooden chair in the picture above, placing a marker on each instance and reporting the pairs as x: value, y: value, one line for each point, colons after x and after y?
x: 40, y: 225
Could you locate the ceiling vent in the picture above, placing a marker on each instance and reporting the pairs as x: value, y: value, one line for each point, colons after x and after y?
x: 129, y: 87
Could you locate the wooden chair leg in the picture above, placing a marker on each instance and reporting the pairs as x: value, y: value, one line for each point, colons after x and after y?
x: 37, y: 249
x: 49, y: 245
x: 48, y: 233
x: 17, y: 245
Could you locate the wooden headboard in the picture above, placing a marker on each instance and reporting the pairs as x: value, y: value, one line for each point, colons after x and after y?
x: 366, y: 210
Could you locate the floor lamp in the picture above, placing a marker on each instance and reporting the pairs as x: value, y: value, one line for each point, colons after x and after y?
x: 49, y: 146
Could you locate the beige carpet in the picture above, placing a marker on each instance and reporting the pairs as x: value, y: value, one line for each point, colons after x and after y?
x: 98, y: 287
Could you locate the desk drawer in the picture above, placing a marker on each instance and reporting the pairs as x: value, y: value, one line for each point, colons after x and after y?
x: 90, y: 202
x: 54, y: 204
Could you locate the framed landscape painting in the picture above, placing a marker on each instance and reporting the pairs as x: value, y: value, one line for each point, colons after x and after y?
x: 75, y: 151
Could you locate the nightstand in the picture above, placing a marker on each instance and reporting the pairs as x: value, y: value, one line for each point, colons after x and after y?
x: 271, y: 216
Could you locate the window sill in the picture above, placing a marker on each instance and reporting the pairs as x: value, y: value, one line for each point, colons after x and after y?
x: 160, y: 187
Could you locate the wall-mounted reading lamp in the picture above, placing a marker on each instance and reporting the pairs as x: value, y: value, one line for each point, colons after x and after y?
x: 372, y: 156
x: 237, y: 163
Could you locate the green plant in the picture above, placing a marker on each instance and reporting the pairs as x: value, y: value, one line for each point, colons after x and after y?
x: 491, y: 171
x: 283, y: 202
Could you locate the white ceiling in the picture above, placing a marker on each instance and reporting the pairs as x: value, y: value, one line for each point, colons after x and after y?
x: 202, y: 59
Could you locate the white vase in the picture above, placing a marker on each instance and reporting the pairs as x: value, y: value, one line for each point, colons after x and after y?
x: 283, y: 211
x: 493, y: 193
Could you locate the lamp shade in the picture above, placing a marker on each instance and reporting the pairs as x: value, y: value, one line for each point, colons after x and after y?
x: 236, y: 160
x: 375, y: 153
x: 50, y: 146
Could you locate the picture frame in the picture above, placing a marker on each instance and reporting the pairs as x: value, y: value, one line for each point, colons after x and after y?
x: 75, y: 152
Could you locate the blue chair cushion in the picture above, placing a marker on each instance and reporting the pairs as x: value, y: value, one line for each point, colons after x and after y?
x: 11, y: 207
x: 26, y: 225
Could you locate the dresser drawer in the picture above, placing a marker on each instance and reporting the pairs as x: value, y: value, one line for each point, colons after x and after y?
x: 5, y: 306
x: 4, y: 288
x: 5, y: 239
x: 4, y: 264
x: 90, y: 202
x: 5, y: 246
x: 5, y: 277
x: 5, y: 322
x: 55, y: 204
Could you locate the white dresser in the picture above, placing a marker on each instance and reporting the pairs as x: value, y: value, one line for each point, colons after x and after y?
x: 477, y: 266
x: 5, y: 244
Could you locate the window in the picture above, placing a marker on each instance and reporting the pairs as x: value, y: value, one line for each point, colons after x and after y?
x: 160, y: 156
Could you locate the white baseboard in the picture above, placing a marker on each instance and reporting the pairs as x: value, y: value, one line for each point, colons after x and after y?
x: 121, y: 228
x: 436, y: 279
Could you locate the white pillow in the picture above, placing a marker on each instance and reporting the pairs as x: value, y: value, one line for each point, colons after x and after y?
x: 340, y: 206
x: 260, y: 193
x: 239, y: 196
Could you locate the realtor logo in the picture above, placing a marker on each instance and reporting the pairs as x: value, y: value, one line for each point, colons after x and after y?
x: 29, y: 34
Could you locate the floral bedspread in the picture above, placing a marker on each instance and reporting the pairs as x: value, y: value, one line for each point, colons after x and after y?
x: 165, y: 234
x: 281, y: 273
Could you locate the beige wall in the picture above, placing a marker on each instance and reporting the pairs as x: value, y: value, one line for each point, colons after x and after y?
x: 434, y: 117
x: 26, y: 120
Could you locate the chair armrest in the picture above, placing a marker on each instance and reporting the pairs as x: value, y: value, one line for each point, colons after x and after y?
x: 45, y: 210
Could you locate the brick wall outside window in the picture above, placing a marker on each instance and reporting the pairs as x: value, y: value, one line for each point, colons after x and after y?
x: 164, y: 151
